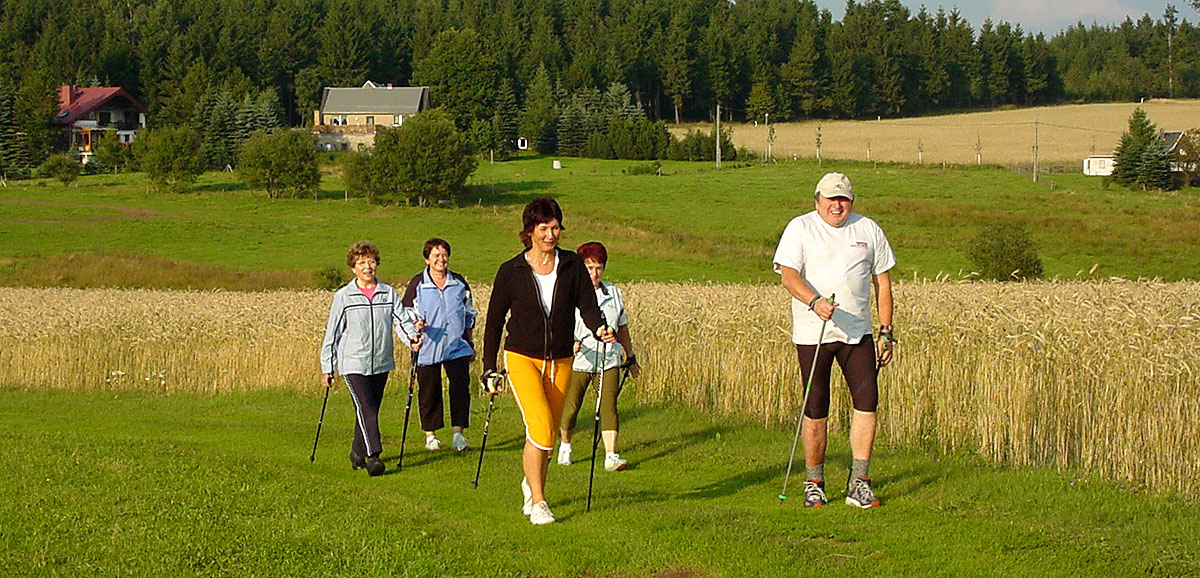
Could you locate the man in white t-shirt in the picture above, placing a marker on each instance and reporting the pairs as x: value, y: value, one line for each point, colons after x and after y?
x: 826, y: 253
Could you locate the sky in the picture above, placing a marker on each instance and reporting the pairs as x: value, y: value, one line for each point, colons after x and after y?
x: 1046, y: 16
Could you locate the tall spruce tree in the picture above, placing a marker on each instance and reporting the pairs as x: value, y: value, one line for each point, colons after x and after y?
x: 1134, y: 142
x: 10, y: 150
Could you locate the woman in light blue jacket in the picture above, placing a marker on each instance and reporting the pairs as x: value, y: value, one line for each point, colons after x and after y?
x: 358, y: 345
x: 591, y: 358
x: 441, y: 302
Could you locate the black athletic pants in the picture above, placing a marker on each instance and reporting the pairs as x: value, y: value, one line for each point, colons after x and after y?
x: 367, y: 393
x: 858, y: 367
x: 429, y: 395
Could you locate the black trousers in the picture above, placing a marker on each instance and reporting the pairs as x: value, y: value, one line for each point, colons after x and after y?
x: 367, y: 393
x: 429, y: 395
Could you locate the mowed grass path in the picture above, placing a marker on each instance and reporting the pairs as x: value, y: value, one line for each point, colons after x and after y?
x: 104, y: 483
x: 695, y: 223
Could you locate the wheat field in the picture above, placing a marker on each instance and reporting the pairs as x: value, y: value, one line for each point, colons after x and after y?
x: 1099, y: 375
x: 1063, y: 134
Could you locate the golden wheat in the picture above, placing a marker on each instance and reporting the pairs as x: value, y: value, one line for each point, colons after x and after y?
x: 1063, y: 134
x: 1098, y: 375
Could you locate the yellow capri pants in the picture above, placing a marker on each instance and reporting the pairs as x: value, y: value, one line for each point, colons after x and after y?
x: 540, y: 388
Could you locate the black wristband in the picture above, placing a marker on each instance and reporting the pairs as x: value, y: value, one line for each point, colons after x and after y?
x: 813, y: 302
x: 631, y: 360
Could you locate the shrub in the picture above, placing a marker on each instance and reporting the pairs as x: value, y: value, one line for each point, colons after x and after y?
x: 171, y: 158
x: 284, y: 163
x: 701, y: 146
x: 61, y: 166
x: 425, y: 159
x: 1004, y: 252
x: 331, y: 277
x: 651, y: 168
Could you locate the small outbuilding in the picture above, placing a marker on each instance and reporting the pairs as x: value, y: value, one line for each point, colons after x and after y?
x: 1099, y: 165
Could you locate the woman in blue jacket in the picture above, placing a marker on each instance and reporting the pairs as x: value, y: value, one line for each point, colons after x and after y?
x: 445, y: 315
x: 358, y: 345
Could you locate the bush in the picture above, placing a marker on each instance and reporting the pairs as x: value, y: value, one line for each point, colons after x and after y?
x: 112, y: 155
x: 652, y: 168
x: 425, y: 159
x: 701, y: 146
x: 331, y: 278
x: 61, y: 166
x: 1004, y: 252
x: 171, y: 158
x: 283, y: 163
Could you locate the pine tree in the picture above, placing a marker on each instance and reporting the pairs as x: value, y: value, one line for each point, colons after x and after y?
x: 507, y: 118
x: 1129, y: 152
x: 10, y: 150
x: 1154, y: 170
x: 537, y: 118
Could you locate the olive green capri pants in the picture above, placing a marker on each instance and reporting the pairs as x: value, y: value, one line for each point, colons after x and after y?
x: 608, y: 399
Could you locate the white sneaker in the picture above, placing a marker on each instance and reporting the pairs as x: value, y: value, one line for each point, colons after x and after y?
x: 432, y: 443
x: 541, y: 514
x: 459, y: 443
x: 613, y: 462
x: 564, y: 454
x: 527, y: 507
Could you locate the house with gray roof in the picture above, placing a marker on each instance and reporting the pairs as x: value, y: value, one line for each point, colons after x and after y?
x: 349, y: 117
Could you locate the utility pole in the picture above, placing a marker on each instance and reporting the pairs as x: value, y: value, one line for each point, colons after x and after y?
x: 718, y: 134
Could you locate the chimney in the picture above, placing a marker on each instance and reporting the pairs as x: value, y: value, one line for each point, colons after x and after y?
x: 66, y: 95
x: 389, y: 86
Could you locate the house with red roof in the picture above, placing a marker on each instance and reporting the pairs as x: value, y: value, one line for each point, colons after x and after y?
x: 85, y: 113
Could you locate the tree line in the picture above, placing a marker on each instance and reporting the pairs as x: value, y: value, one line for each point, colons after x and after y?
x: 491, y: 61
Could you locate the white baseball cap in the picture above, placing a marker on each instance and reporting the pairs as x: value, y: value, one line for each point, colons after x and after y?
x: 834, y: 185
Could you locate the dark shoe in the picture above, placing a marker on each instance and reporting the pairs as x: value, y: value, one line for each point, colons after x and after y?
x: 357, y: 462
x: 375, y: 467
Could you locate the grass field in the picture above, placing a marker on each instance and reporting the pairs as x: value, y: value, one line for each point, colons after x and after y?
x: 130, y: 484
x: 695, y: 223
x: 1064, y: 134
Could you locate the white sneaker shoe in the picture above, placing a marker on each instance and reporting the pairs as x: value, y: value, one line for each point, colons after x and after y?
x: 613, y: 462
x: 432, y: 443
x: 527, y: 507
x: 541, y: 514
x: 459, y: 443
x: 564, y: 454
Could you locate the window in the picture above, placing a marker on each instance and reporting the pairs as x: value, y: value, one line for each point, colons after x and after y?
x: 105, y: 118
x: 370, y: 121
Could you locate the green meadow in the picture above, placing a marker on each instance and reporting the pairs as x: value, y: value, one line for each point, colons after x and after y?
x: 694, y: 222
x: 133, y: 484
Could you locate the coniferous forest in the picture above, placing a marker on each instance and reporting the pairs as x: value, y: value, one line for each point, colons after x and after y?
x: 677, y: 59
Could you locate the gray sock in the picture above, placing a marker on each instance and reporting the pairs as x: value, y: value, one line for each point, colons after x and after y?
x: 859, y: 468
x: 817, y: 472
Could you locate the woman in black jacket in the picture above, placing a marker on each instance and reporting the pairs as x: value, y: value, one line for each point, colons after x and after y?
x: 538, y: 291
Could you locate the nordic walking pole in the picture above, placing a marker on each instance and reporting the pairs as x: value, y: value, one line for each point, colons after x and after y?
x: 412, y: 378
x: 320, y: 421
x: 803, y: 407
x: 596, y: 423
x: 492, y: 388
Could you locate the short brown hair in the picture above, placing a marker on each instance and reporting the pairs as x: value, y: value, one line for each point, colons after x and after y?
x: 362, y: 249
x: 435, y: 242
x: 538, y: 211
